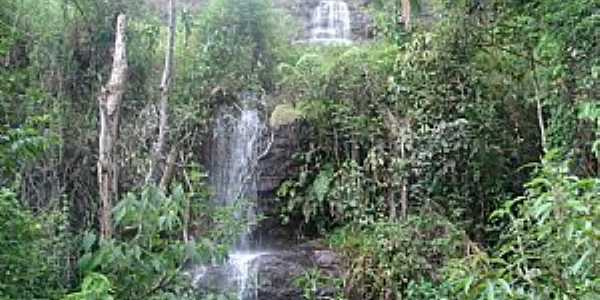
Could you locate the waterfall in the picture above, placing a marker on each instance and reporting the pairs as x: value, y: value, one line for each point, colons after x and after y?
x: 237, y: 137
x: 243, y: 274
x: 331, y: 23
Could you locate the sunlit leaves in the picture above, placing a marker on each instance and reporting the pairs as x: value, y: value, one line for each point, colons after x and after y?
x: 95, y: 287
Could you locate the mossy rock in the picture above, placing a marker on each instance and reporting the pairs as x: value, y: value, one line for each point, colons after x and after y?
x: 284, y: 114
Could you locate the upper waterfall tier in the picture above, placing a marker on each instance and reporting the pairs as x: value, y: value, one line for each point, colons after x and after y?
x: 331, y: 23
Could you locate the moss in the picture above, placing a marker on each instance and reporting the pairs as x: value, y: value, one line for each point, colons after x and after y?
x: 284, y: 114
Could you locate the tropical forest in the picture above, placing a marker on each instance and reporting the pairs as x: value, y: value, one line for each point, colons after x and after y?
x: 299, y: 149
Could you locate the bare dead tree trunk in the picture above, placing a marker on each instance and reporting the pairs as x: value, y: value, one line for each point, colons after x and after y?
x: 169, y: 169
x: 406, y: 14
x: 109, y: 102
x: 404, y: 189
x: 538, y: 101
x: 159, y: 155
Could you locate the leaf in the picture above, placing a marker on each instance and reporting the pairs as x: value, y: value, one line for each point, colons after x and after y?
x: 88, y: 241
x: 178, y: 195
x: 505, y: 286
x: 577, y: 266
x: 468, y: 283
x: 491, y: 293
x: 539, y: 182
x: 320, y: 186
x: 542, y: 209
x: 86, y: 263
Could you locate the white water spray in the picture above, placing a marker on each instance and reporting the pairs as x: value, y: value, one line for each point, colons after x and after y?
x: 238, y: 133
x: 244, y: 274
x: 331, y: 23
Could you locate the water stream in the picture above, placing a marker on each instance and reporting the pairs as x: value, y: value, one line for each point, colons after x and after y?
x: 331, y: 23
x: 237, y: 143
x: 238, y: 133
x: 243, y: 273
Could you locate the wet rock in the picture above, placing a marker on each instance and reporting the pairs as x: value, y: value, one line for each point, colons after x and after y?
x: 212, y: 280
x: 278, y: 272
x: 287, y: 138
x: 328, y: 262
x: 269, y: 275
x: 278, y: 163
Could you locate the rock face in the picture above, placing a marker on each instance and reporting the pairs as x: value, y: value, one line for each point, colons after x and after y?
x: 278, y: 272
x: 272, y: 275
x: 279, y: 164
x: 287, y: 139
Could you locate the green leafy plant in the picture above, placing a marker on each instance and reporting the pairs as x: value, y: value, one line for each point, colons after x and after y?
x: 148, y: 257
x: 94, y: 287
x: 388, y: 260
x: 313, y: 282
x: 549, y: 250
x: 30, y: 268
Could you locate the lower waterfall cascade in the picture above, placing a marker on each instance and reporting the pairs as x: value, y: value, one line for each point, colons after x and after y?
x: 238, y: 133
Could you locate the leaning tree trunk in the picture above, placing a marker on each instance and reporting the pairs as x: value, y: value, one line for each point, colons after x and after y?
x: 159, y: 155
x: 109, y: 102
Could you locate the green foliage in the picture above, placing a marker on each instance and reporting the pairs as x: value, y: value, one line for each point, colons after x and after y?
x: 352, y: 194
x: 449, y: 113
x: 313, y: 280
x: 148, y: 257
x: 31, y: 265
x: 21, y: 145
x: 238, y: 41
x: 460, y: 101
x: 591, y: 112
x: 550, y: 248
x: 94, y: 287
x: 284, y: 114
x: 388, y: 18
x: 385, y: 260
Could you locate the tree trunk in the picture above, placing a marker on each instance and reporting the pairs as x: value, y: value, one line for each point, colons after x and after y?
x: 404, y: 189
x: 169, y: 169
x: 538, y: 101
x: 406, y: 14
x: 159, y: 154
x: 109, y: 102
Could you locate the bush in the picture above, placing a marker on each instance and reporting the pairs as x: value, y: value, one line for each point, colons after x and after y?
x: 385, y: 259
x: 29, y: 269
x: 550, y: 250
x: 147, y: 258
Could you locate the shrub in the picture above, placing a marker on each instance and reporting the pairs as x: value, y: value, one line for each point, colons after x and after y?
x: 385, y: 259
x: 550, y: 250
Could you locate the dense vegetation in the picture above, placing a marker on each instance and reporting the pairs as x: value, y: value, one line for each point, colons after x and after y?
x: 458, y: 158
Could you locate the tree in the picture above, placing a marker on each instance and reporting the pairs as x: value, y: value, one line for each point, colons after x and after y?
x: 406, y: 14
x: 109, y: 102
x: 159, y: 163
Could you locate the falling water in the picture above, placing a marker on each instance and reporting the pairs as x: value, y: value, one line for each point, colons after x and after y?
x: 237, y: 135
x: 331, y: 23
x: 244, y: 274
